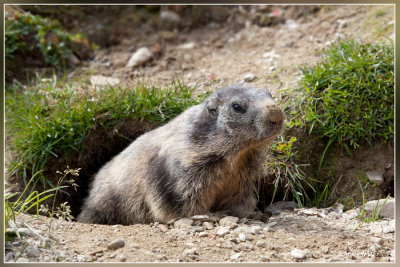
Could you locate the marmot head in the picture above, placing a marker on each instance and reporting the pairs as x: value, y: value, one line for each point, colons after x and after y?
x: 245, y: 113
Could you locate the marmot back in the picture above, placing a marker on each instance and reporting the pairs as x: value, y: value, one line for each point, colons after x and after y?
x: 206, y: 159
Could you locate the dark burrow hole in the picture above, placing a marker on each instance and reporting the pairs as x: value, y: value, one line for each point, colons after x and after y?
x: 100, y: 146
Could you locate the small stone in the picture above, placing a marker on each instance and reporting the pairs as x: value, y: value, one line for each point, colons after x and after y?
x: 9, y: 256
x: 203, y: 234
x: 183, y: 223
x: 249, y: 246
x: 32, y: 251
x: 228, y: 220
x: 350, y: 214
x: 300, y: 254
x: 187, y: 46
x: 236, y: 256
x: 261, y: 244
x: 291, y: 24
x: 222, y: 231
x: 73, y: 61
x: 169, y: 16
x: 375, y: 176
x: 190, y: 251
x: 228, y: 244
x: 325, y: 249
x: 272, y: 68
x: 334, y: 215
x: 122, y: 258
x: 376, y: 229
x: 208, y: 225
x: 342, y: 23
x: 249, y: 77
x: 201, y: 218
x: 242, y: 237
x: 376, y: 240
x: 163, y: 227
x: 103, y: 80
x: 243, y: 229
x: 256, y: 230
x: 135, y: 245
x: 140, y: 57
x: 198, y: 229
x: 387, y: 229
x: 116, y: 244
x: 264, y: 258
x: 385, y: 210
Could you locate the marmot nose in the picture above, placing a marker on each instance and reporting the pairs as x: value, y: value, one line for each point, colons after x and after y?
x: 274, y: 114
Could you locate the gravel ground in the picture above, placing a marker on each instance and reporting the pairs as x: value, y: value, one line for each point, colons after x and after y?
x: 290, y: 235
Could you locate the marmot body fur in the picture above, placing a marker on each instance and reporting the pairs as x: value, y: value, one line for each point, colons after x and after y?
x: 204, y: 160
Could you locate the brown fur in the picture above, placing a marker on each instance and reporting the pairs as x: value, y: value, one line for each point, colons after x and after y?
x: 206, y: 159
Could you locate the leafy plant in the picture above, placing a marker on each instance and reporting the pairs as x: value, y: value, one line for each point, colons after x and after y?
x: 26, y: 32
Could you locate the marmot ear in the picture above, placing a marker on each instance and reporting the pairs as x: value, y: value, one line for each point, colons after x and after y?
x: 212, y: 104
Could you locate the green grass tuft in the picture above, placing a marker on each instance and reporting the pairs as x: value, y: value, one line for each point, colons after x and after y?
x: 350, y: 94
x: 52, y: 119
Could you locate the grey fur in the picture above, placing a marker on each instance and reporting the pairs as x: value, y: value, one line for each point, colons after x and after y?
x: 206, y: 159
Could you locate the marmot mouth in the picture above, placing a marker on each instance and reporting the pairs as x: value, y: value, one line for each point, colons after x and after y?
x: 273, y: 130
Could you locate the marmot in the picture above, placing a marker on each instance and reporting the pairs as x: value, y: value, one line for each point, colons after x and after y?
x: 204, y: 160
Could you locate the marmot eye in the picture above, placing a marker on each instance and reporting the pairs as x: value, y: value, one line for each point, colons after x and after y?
x: 238, y: 108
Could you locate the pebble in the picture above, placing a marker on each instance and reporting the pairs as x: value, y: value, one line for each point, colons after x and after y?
x: 261, y: 244
x: 198, y: 229
x: 376, y: 240
x: 222, y: 231
x: 228, y: 220
x: 201, y: 218
x: 386, y: 210
x: 208, y: 225
x: 300, y: 254
x: 9, y: 256
x: 228, y: 244
x: 242, y: 237
x: 350, y: 214
x: 243, y: 229
x: 249, y: 246
x: 203, y: 234
x: 135, y: 245
x: 188, y: 46
x: 103, y: 80
x: 375, y: 176
x: 190, y: 251
x: 256, y: 230
x: 170, y: 16
x: 32, y: 251
x: 249, y: 77
x: 236, y: 256
x: 375, y: 228
x: 141, y: 56
x: 183, y: 223
x: 116, y: 244
x: 122, y: 258
x: 163, y: 227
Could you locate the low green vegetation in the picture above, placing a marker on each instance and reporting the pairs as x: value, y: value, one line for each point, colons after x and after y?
x: 345, y: 100
x: 27, y: 34
x: 52, y: 119
x: 288, y: 173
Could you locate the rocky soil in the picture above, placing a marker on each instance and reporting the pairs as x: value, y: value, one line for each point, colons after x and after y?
x: 266, y: 52
x: 290, y: 235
